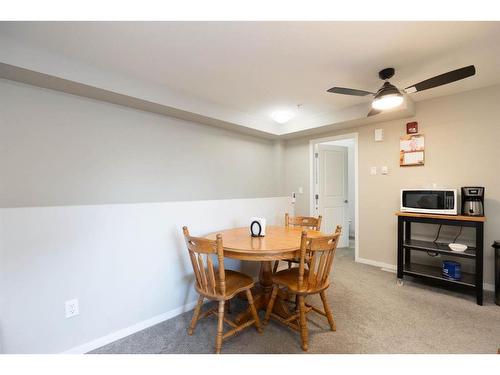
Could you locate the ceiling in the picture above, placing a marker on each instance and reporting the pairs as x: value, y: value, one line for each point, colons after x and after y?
x: 257, y: 67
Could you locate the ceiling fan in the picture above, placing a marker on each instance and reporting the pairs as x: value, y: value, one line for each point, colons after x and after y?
x: 388, y: 96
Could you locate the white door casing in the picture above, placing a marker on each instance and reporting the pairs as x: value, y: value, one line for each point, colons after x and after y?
x: 332, y: 189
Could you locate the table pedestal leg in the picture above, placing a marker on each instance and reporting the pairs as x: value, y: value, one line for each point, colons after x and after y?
x: 262, y: 294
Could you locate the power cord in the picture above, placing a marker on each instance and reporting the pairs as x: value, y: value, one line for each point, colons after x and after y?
x: 439, y: 231
x: 458, y: 235
x: 432, y: 253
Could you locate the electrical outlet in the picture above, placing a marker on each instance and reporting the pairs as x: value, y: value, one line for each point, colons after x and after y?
x: 72, y: 308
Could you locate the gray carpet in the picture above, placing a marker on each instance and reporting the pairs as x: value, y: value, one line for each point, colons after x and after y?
x: 373, y: 315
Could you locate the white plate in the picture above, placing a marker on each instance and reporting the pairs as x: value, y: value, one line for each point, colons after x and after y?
x: 457, y: 247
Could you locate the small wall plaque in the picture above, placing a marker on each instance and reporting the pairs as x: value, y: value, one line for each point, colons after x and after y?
x: 412, y: 128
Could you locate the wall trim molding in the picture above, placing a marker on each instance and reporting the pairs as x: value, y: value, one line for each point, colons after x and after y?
x: 392, y: 268
x: 138, y: 203
x: 127, y: 331
x: 376, y: 263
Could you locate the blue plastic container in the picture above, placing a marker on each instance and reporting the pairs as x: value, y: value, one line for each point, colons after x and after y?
x: 452, y: 270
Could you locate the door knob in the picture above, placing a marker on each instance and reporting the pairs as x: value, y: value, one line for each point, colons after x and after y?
x: 345, y: 201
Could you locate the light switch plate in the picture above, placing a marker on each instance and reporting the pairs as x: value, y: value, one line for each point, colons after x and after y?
x: 379, y: 135
x: 301, y: 190
x: 384, y: 170
x: 373, y: 171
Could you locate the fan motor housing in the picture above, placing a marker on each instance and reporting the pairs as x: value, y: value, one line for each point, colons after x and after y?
x: 386, y: 73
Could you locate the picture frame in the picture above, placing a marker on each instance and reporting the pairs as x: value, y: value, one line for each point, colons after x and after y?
x: 412, y: 150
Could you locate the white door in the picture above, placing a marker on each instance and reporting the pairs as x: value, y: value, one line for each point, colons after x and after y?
x: 332, y: 190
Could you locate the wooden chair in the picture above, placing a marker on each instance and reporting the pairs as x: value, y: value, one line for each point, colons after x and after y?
x: 299, y: 221
x: 303, y: 221
x: 220, y: 285
x: 302, y: 282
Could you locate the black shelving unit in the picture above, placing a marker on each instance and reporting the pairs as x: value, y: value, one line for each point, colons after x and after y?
x: 406, y: 244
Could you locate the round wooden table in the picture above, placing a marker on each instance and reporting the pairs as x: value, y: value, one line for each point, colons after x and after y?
x: 280, y: 243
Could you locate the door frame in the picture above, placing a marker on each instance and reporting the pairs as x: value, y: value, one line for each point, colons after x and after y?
x: 312, y: 144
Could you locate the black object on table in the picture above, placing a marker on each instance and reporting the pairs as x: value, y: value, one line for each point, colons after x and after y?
x: 472, y: 281
x: 496, y: 246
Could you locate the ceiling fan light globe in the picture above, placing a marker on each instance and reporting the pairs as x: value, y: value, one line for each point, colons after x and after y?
x: 387, y: 101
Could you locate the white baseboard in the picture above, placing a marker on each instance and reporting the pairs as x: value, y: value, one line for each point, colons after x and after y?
x: 104, y: 340
x: 376, y: 263
x: 392, y: 268
x: 489, y: 287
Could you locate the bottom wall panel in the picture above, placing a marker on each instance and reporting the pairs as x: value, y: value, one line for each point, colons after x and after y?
x: 126, y: 264
x: 124, y: 332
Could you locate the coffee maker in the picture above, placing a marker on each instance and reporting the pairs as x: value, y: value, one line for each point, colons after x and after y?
x: 473, y: 201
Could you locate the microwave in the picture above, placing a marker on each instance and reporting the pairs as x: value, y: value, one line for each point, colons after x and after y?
x: 429, y: 201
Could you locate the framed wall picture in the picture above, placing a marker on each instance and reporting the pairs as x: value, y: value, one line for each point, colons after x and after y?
x: 412, y: 150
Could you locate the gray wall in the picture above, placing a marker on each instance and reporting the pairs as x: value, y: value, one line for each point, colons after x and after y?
x: 59, y: 149
x: 462, y: 140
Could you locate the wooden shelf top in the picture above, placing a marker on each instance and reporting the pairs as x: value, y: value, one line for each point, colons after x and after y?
x: 444, y: 217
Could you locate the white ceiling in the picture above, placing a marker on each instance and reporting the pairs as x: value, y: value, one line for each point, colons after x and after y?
x: 257, y: 67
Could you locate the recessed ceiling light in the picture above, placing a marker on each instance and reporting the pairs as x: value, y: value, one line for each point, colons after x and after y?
x: 282, y: 116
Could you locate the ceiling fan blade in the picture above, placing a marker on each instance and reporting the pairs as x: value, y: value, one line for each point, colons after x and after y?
x: 347, y: 91
x: 442, y: 79
x: 373, y: 112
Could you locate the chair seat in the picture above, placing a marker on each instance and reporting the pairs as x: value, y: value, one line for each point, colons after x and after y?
x: 289, y: 279
x: 236, y: 282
